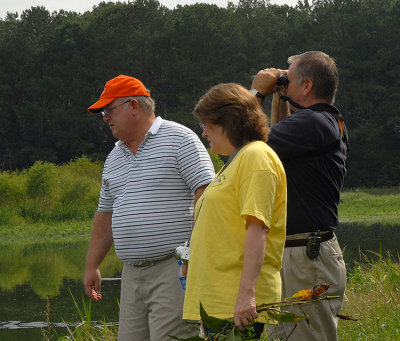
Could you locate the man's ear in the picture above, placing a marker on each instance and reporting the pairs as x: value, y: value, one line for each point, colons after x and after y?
x: 307, y: 86
x: 134, y: 104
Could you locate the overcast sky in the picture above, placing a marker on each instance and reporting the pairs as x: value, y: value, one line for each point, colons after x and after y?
x: 86, y: 5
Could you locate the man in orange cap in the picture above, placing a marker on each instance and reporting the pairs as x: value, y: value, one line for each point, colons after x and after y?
x: 151, y: 179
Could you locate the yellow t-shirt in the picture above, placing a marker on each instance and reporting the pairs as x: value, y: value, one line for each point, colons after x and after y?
x: 253, y: 184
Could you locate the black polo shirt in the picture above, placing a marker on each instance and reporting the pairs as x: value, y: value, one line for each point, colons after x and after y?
x: 315, y: 168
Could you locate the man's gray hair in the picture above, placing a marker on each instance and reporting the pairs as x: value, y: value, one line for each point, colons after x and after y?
x: 145, y: 102
x: 321, y: 69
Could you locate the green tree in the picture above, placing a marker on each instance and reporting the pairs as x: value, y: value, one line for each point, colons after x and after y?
x: 54, y: 66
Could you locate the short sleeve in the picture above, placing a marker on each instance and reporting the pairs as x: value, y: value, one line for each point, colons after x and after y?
x: 194, y: 162
x: 257, y: 195
x: 105, y: 201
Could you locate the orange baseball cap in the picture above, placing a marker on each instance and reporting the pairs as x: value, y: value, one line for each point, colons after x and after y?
x: 121, y: 86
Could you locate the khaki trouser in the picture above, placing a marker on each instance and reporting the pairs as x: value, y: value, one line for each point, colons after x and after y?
x: 300, y: 272
x: 151, y: 303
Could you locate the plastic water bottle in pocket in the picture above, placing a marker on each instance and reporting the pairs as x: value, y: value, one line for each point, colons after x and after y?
x: 181, y: 277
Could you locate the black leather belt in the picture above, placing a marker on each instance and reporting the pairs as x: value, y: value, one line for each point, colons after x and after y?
x: 144, y: 263
x: 303, y: 242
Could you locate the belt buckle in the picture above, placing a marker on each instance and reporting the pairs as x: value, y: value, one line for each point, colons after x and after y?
x: 143, y: 263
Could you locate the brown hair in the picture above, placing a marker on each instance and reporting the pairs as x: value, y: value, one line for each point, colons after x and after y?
x: 234, y: 108
x: 321, y: 69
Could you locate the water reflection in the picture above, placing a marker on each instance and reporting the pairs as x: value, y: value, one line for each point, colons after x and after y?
x: 360, y: 241
x: 45, y: 264
x: 36, y: 272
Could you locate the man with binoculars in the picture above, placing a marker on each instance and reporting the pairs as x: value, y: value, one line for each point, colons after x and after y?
x: 309, y: 136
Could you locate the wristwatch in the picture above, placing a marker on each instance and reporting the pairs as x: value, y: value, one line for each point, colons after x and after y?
x: 257, y: 94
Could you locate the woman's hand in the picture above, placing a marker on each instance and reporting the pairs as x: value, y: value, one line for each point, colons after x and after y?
x: 245, y: 310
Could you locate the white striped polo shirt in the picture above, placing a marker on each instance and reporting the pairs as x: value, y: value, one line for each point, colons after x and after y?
x: 151, y: 193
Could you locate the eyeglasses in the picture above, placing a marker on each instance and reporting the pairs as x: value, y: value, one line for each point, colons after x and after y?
x: 107, y: 112
x: 202, y: 126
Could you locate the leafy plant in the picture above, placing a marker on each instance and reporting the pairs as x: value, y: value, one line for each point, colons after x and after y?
x: 269, y: 313
x: 217, y: 162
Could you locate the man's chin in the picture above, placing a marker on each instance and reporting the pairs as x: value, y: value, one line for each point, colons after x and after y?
x: 113, y: 132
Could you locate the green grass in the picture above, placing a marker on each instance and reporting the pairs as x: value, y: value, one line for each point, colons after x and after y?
x: 372, y: 296
x: 40, y: 230
x: 370, y: 206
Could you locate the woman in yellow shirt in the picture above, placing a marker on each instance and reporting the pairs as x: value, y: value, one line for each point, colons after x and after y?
x: 239, y: 232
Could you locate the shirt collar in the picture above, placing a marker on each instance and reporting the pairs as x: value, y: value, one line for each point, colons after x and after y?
x: 153, y: 130
x: 155, y: 126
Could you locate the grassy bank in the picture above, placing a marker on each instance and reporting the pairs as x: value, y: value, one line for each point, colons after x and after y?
x: 47, y: 200
x: 370, y: 205
x: 39, y: 230
x: 372, y: 297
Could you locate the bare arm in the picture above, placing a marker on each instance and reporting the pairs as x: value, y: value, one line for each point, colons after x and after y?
x: 279, y: 109
x: 254, y: 252
x: 100, y: 243
x: 198, y: 192
x: 265, y: 82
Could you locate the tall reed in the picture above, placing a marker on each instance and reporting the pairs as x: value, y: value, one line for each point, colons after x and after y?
x: 87, y: 329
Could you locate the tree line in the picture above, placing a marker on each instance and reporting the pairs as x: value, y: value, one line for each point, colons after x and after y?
x: 54, y: 66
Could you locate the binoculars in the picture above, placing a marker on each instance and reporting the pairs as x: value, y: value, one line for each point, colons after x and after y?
x: 282, y: 80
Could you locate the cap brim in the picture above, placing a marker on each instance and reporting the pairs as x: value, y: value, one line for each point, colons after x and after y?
x: 99, y: 105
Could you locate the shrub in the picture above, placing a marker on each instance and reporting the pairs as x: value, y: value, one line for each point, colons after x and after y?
x: 41, y: 180
x: 12, y: 188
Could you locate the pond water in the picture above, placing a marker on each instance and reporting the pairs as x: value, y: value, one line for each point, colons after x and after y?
x: 39, y: 279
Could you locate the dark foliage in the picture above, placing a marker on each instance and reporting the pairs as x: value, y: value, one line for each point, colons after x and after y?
x: 54, y: 65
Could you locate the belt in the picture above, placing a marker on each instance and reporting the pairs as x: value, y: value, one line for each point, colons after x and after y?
x: 144, y: 263
x: 303, y: 242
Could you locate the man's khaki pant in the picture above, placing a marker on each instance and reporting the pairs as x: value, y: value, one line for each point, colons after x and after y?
x: 151, y: 303
x: 300, y: 272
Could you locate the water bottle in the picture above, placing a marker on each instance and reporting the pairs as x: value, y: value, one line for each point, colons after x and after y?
x: 181, y: 277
